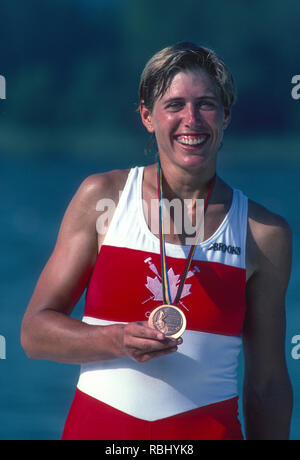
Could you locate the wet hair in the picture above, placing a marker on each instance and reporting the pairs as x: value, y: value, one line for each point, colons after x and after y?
x: 184, y: 56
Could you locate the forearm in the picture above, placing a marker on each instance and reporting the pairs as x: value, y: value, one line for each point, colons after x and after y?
x: 267, y: 413
x: 54, y: 336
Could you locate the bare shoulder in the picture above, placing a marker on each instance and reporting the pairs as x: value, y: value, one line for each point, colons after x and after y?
x: 266, y: 226
x: 102, y: 185
x: 269, y: 240
x: 82, y: 212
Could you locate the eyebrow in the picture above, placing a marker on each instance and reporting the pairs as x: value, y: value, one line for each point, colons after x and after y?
x: 178, y: 98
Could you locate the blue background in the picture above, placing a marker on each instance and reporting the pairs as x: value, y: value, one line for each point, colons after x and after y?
x: 72, y: 71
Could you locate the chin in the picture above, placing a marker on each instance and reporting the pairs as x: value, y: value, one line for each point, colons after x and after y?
x: 195, y: 162
x: 191, y: 161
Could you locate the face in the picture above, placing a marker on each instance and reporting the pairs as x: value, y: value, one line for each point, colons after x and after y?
x: 188, y: 120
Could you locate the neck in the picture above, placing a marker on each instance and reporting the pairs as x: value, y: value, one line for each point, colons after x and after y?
x: 184, y: 184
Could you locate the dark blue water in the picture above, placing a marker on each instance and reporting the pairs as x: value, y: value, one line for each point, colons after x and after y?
x: 35, y: 396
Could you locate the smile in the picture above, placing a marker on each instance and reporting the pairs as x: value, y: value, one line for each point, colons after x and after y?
x: 192, y: 140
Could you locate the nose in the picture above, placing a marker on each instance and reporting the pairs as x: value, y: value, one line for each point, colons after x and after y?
x: 192, y: 116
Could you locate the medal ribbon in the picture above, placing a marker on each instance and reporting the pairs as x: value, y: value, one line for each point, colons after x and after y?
x: 164, y: 269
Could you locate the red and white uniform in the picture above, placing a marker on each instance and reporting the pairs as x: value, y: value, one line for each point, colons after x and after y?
x: 190, y: 394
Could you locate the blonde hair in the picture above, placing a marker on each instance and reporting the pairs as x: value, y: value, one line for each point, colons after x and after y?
x: 165, y: 64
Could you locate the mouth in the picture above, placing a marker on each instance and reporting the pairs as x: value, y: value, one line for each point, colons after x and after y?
x: 192, y: 141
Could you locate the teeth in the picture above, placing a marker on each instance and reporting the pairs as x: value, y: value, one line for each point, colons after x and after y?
x: 191, y: 140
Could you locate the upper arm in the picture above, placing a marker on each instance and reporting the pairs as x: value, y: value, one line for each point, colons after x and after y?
x: 69, y: 267
x: 265, y: 324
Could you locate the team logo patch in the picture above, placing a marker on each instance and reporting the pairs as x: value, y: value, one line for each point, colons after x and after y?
x: 154, y: 284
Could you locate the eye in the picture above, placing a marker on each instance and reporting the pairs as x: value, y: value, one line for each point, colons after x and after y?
x: 207, y: 105
x: 174, y: 105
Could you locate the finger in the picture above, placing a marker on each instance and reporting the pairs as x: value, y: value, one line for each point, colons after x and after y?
x: 142, y: 330
x: 142, y: 345
x: 178, y: 341
x: 144, y: 357
x: 156, y: 336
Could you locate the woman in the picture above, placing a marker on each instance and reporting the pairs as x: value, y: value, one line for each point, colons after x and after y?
x: 136, y: 382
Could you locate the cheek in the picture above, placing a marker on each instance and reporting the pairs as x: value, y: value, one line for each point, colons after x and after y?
x: 162, y: 139
x: 216, y: 121
x: 213, y: 117
x: 160, y: 120
x: 164, y: 126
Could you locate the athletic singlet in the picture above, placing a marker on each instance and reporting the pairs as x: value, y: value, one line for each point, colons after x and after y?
x: 125, y: 286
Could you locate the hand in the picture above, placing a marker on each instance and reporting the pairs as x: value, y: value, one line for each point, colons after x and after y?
x: 142, y: 343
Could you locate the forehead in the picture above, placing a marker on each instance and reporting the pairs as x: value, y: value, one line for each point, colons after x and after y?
x: 194, y: 83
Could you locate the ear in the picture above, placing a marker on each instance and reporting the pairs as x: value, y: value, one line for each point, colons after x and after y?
x: 146, y: 117
x: 227, y: 118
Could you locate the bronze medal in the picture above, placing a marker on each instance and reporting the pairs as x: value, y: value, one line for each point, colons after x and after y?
x: 169, y: 320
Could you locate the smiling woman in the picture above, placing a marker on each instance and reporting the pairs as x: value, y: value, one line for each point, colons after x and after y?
x: 136, y: 381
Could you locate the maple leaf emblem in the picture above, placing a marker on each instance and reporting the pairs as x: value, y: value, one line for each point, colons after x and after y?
x: 155, y: 286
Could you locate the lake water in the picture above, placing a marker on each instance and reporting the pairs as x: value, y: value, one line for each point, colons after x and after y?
x: 35, y: 396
